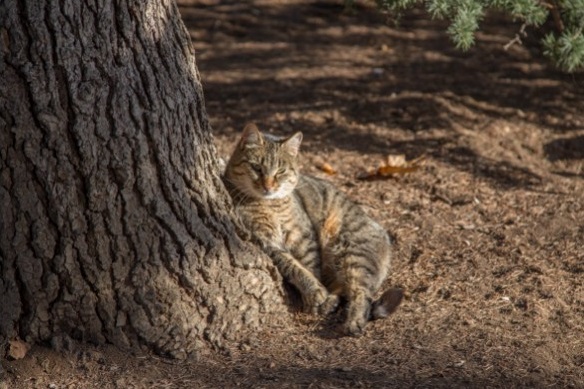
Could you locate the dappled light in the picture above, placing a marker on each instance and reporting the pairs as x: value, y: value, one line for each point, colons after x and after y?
x: 488, y: 228
x: 472, y: 161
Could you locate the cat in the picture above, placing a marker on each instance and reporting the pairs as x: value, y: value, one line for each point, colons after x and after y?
x: 320, y: 241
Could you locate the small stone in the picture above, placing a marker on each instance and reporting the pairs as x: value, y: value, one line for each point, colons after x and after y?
x: 377, y: 71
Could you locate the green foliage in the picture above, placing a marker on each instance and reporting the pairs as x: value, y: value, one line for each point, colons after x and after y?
x: 565, y: 45
x: 465, y: 21
x: 566, y: 49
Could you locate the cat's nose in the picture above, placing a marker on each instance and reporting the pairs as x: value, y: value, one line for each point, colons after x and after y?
x: 269, y: 183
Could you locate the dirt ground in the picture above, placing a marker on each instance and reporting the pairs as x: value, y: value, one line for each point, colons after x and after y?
x: 489, y: 232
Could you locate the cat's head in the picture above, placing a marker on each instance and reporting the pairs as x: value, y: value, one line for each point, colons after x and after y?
x: 263, y: 166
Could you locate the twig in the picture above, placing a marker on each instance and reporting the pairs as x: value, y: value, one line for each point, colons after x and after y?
x: 555, y: 10
x: 517, y: 38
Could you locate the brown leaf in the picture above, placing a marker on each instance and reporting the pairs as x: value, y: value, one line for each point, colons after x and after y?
x: 395, y: 160
x: 327, y: 168
x: 393, y: 165
x: 17, y: 349
x: 386, y: 171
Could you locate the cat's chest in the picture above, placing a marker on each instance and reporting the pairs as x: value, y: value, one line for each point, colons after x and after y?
x: 295, y: 225
x: 286, y: 221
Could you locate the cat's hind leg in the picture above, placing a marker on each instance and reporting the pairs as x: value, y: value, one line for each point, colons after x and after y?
x: 358, y: 303
x: 362, y: 267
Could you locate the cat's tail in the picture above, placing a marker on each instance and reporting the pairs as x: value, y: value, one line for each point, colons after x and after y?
x: 386, y: 304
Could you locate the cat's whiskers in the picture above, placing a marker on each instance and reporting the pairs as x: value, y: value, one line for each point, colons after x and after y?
x: 240, y: 196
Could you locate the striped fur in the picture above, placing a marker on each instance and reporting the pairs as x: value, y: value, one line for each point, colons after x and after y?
x: 321, y: 242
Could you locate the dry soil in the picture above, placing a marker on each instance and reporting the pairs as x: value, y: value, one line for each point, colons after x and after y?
x: 489, y: 231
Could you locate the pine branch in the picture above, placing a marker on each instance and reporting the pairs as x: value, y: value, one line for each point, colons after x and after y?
x: 565, y: 46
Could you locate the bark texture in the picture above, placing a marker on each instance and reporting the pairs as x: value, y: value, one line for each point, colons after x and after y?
x: 114, y: 224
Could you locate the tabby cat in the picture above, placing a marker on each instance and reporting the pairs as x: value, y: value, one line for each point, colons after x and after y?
x: 320, y: 241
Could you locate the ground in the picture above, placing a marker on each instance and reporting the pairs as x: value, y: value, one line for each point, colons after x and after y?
x: 489, y: 231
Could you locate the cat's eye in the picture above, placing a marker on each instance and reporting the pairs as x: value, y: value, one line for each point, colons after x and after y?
x: 257, y: 168
x: 281, y: 171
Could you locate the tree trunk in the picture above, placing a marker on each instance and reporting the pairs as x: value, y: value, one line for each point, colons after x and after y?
x: 114, y: 224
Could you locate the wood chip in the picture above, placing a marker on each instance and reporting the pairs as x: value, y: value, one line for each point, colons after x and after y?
x: 17, y: 349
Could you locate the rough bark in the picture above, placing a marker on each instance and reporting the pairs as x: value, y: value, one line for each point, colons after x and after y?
x: 114, y: 224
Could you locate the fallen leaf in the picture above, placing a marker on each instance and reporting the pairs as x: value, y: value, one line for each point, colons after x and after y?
x: 393, y: 165
x: 17, y: 349
x: 327, y: 168
x: 395, y: 160
x: 386, y: 171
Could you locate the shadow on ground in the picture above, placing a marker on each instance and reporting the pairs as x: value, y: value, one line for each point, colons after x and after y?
x: 314, y: 67
x: 488, y: 234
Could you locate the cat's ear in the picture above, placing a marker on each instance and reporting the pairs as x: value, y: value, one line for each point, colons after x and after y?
x: 292, y: 144
x: 251, y: 137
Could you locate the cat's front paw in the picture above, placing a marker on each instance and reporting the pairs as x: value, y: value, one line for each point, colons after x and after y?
x: 320, y: 302
x: 354, y: 327
x: 329, y: 305
x: 312, y: 301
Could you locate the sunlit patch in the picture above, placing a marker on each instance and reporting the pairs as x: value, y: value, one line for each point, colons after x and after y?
x: 331, y: 227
